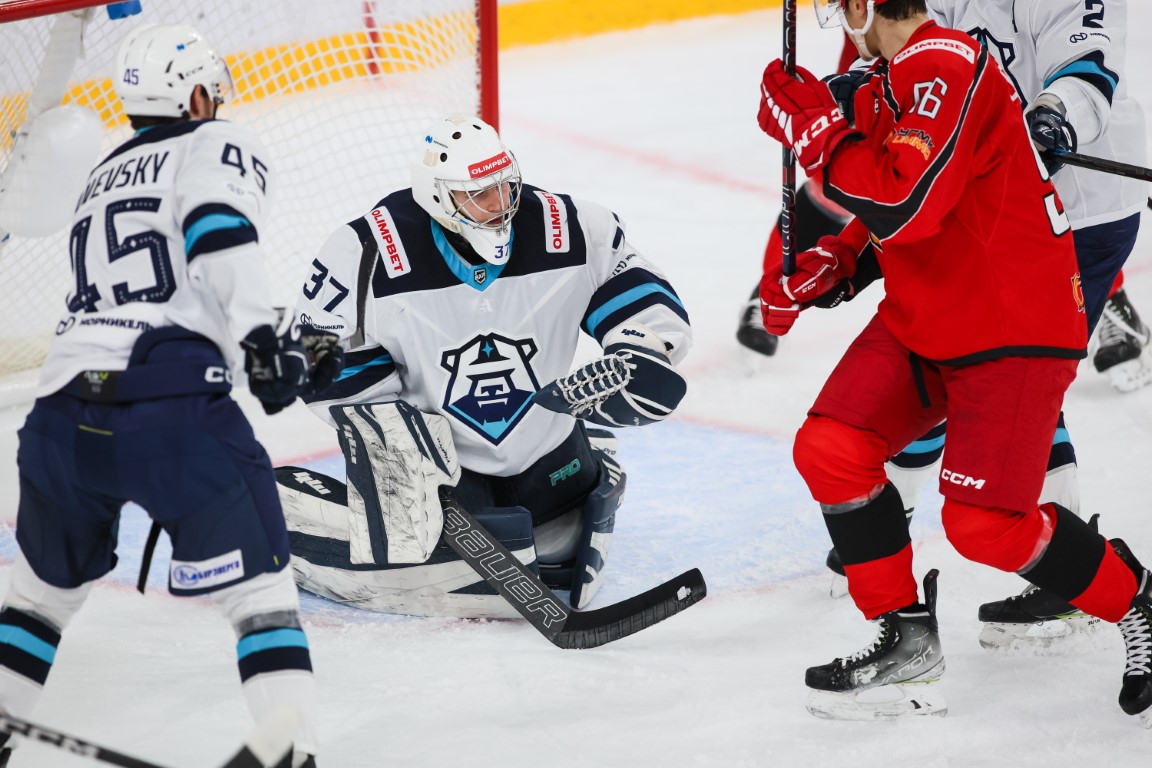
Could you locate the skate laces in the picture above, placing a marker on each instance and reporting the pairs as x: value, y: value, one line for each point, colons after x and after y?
x: 1136, y: 627
x: 752, y: 316
x: 1118, y: 324
x: 876, y: 645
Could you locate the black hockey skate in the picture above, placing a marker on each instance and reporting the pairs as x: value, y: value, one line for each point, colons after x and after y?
x: 297, y: 760
x: 1122, y: 340
x: 1035, y: 619
x: 1136, y: 628
x: 890, y: 678
x: 750, y: 332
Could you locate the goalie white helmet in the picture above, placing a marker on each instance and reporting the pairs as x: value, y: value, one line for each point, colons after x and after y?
x: 468, y: 181
x: 159, y: 65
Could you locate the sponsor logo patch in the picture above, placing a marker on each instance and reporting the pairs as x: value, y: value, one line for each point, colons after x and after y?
x: 391, y: 249
x: 915, y: 138
x: 489, y: 166
x: 964, y: 481
x: 951, y: 46
x: 202, y: 574
x: 556, y: 238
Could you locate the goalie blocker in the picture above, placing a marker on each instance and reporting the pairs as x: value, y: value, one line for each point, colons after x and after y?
x: 373, y: 542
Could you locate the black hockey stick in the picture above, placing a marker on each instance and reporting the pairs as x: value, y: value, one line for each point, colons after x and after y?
x: 266, y: 747
x: 788, y: 165
x: 534, y: 601
x: 1107, y: 166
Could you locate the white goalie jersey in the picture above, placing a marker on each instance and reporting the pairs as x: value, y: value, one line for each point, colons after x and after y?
x: 165, y: 233
x: 476, y: 342
x: 1074, y: 49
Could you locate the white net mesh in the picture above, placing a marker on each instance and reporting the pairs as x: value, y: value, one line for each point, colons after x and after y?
x: 340, y: 91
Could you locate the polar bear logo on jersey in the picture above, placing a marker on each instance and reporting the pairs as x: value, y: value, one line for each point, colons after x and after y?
x: 491, y: 383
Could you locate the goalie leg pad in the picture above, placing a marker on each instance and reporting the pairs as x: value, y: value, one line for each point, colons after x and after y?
x: 599, y: 520
x: 316, y: 513
x: 397, y: 458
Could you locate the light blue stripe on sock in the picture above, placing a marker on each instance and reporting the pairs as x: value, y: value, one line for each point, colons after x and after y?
x: 28, y: 642
x: 279, y: 638
x: 925, y: 446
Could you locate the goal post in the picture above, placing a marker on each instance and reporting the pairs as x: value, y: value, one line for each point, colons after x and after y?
x: 339, y: 91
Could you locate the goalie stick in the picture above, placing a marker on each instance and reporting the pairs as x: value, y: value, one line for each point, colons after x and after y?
x: 266, y: 747
x: 534, y: 601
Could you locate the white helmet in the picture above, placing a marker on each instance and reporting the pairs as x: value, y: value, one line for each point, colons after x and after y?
x: 464, y: 154
x: 830, y: 13
x: 159, y: 65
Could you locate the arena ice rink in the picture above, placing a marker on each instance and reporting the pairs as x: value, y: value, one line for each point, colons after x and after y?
x: 659, y: 125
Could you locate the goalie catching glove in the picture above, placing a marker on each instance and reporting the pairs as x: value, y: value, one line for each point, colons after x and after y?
x: 819, y: 271
x: 634, y: 383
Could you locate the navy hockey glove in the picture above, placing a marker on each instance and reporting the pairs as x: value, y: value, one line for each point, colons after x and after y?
x: 632, y: 385
x: 1053, y: 134
x: 843, y: 87
x: 325, y: 358
x: 277, y: 367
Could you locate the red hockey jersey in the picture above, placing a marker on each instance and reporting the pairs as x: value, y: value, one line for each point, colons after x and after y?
x: 976, y: 252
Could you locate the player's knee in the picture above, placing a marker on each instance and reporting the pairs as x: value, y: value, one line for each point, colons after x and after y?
x: 839, y: 462
x: 29, y: 593
x: 268, y: 594
x: 1001, y: 538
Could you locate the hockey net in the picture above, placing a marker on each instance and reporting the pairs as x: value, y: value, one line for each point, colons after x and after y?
x: 338, y: 90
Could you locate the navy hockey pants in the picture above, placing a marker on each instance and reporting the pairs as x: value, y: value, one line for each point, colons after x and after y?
x: 192, y: 462
x: 1100, y: 253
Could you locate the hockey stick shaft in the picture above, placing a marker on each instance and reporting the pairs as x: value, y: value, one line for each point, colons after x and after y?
x: 70, y: 744
x: 267, y: 745
x: 547, y: 613
x: 788, y: 159
x: 1107, y: 166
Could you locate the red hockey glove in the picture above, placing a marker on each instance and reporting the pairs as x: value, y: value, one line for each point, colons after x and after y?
x: 818, y: 271
x: 801, y: 114
x: 777, y: 310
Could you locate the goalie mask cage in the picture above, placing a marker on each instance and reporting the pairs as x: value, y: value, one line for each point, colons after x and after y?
x: 340, y: 91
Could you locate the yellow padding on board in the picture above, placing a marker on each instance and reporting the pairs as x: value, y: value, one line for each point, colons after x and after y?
x: 545, y: 21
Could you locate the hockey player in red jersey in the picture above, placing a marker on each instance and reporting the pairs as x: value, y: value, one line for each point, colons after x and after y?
x: 982, y: 323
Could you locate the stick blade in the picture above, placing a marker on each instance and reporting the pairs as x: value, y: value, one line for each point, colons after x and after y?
x: 590, y: 629
x: 269, y: 743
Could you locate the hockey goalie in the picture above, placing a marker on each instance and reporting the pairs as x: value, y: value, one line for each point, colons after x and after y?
x: 460, y: 302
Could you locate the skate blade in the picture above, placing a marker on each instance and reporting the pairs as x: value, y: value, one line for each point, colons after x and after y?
x: 1041, y: 635
x: 884, y: 702
x: 1132, y: 375
x: 839, y: 587
x: 1146, y: 718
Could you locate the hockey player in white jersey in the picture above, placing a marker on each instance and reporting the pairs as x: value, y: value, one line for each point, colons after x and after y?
x: 170, y: 295
x: 461, y: 301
